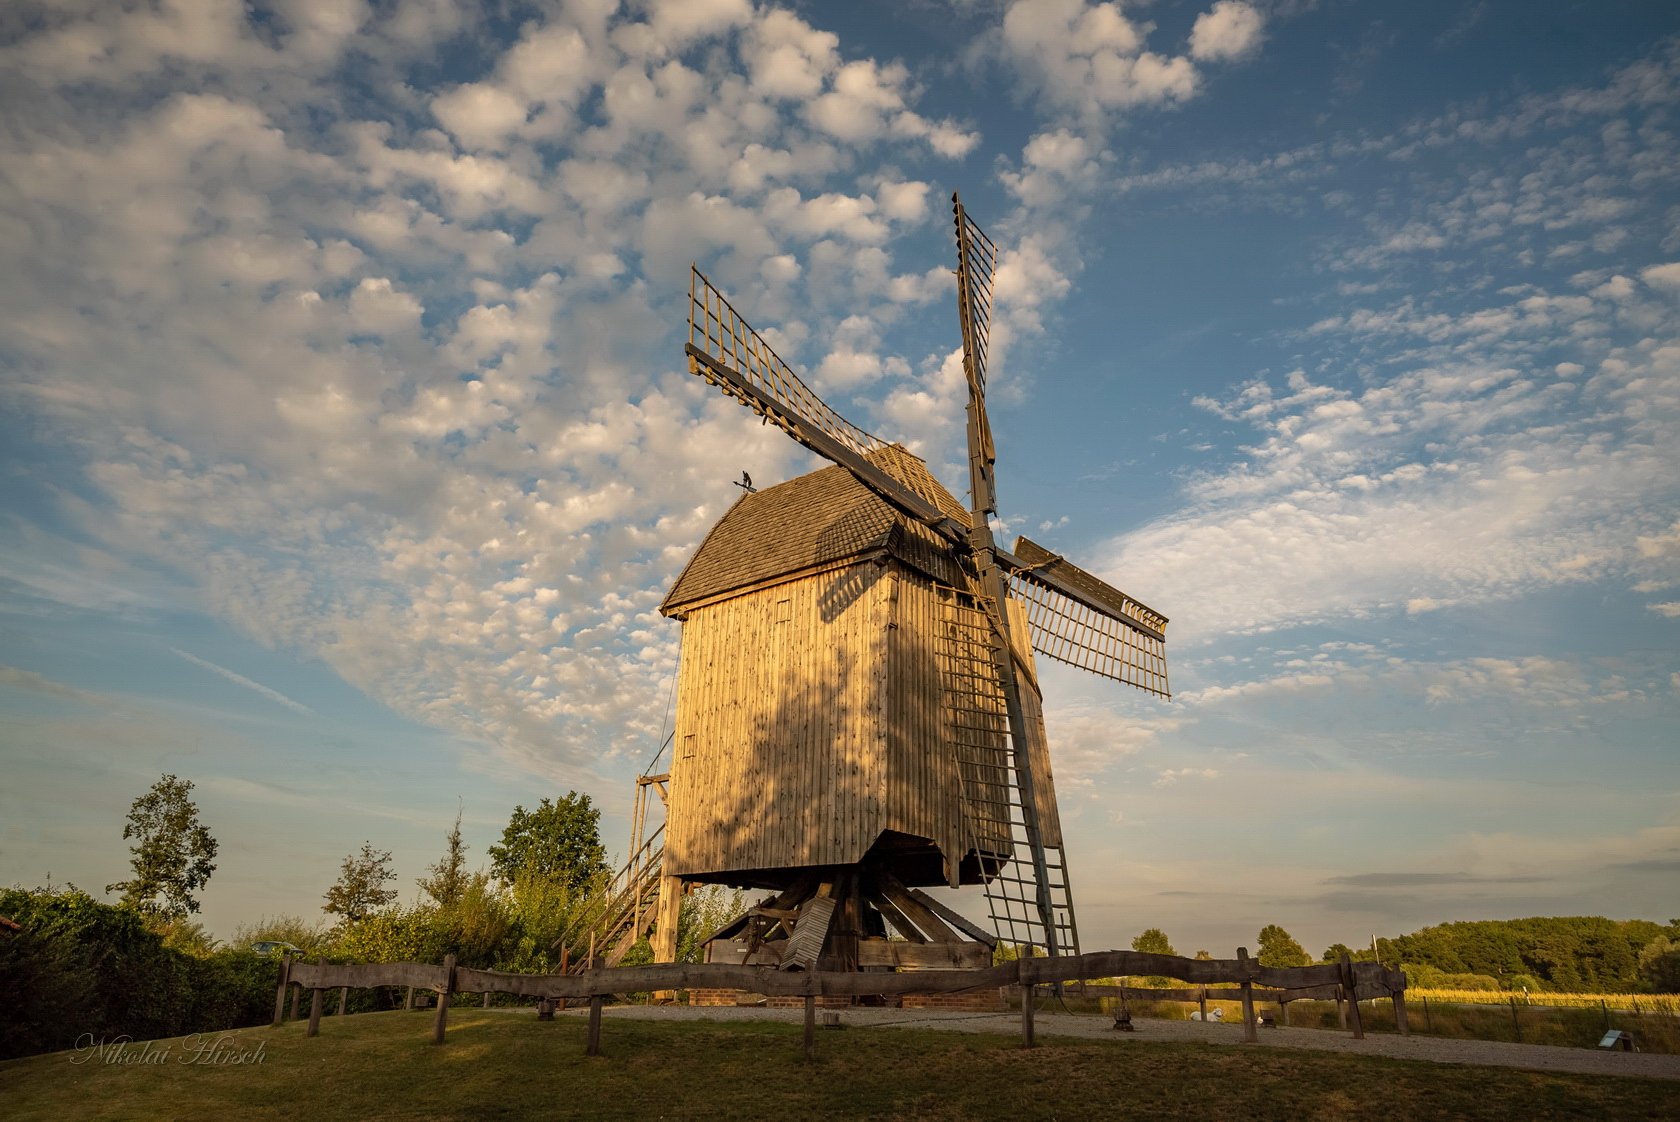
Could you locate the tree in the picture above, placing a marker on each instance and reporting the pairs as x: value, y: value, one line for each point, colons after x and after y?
x: 361, y: 884
x: 1279, y: 948
x: 174, y: 855
x: 1659, y: 965
x: 1154, y: 941
x: 1335, y: 951
x: 448, y: 879
x: 560, y: 840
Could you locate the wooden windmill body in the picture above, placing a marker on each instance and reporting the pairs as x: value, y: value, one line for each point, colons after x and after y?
x: 858, y: 710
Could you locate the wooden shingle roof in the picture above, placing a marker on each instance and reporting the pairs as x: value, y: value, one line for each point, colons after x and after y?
x: 814, y: 520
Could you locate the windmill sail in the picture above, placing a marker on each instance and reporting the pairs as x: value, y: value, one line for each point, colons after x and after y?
x: 724, y: 350
x: 1028, y: 892
x: 718, y: 332
x: 1081, y: 620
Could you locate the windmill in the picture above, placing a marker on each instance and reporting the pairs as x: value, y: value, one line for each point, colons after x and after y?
x: 858, y: 712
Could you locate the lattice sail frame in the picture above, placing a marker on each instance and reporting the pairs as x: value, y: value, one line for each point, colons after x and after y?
x: 718, y: 330
x: 977, y: 258
x: 1127, y: 643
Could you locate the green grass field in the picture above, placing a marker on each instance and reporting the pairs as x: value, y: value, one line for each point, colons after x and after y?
x: 508, y: 1065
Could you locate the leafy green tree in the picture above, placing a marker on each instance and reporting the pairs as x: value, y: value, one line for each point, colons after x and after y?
x: 559, y: 840
x: 361, y: 884
x: 1279, y: 948
x: 447, y: 879
x: 1335, y: 951
x: 1153, y: 941
x: 703, y: 912
x: 174, y: 853
x: 1659, y: 965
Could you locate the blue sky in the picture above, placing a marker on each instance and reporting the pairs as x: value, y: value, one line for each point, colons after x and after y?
x: 347, y: 446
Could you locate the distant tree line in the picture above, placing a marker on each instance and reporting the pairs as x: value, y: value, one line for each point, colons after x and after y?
x: 1568, y: 954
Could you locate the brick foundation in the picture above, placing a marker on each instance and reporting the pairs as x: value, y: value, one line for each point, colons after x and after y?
x: 977, y: 1001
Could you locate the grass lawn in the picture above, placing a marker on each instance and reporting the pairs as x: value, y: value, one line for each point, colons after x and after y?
x: 506, y: 1065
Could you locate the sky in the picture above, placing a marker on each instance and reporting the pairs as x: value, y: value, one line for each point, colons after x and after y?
x: 347, y: 446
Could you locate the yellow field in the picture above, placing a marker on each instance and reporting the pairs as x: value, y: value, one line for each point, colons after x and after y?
x: 1643, y: 1002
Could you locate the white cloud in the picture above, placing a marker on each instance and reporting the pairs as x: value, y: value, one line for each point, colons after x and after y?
x: 1230, y: 29
x: 1090, y: 58
x: 1664, y: 278
x: 399, y: 406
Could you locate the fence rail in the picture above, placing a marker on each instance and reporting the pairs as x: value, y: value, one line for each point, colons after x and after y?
x: 1359, y: 980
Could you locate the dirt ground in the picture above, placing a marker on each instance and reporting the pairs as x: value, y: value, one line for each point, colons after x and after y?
x: 1492, y: 1053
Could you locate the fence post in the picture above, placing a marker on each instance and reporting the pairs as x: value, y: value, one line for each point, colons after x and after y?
x: 442, y: 1018
x: 1201, y: 1000
x: 1249, y: 1035
x: 810, y: 1028
x: 1351, y: 985
x: 280, y: 991
x: 315, y: 1002
x: 593, y: 1046
x: 1516, y: 1024
x: 1428, y: 1021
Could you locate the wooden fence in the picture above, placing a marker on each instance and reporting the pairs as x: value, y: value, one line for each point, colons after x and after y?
x: 1338, y: 981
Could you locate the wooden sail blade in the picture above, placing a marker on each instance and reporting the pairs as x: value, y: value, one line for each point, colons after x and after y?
x: 724, y: 350
x: 1083, y: 621
x: 977, y: 258
x: 976, y: 264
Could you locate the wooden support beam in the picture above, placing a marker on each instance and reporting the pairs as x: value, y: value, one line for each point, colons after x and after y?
x: 408, y: 999
x: 954, y: 918
x: 343, y: 1000
x: 442, y: 1019
x: 923, y: 956
x: 280, y: 991
x: 1400, y: 1013
x: 1351, y: 985
x: 315, y: 1005
x: 592, y: 1046
x: 1028, y: 1039
x: 897, y: 919
x: 810, y: 1028
x: 297, y: 992
x: 918, y: 913
x: 486, y: 1004
x: 1249, y: 1035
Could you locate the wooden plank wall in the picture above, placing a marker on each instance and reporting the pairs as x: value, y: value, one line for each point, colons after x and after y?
x: 780, y: 753
x: 811, y: 717
x: 925, y: 799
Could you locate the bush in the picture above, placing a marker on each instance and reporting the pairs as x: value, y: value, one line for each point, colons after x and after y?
x: 81, y: 967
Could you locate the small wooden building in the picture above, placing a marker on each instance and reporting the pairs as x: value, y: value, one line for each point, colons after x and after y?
x: 836, y: 706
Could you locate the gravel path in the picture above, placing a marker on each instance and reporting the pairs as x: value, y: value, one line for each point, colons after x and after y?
x: 1491, y: 1053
